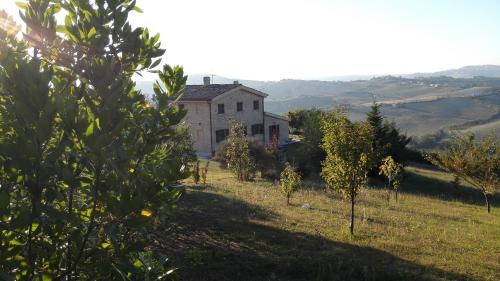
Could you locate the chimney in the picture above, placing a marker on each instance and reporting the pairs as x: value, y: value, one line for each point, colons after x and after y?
x: 206, y: 80
x: 236, y: 82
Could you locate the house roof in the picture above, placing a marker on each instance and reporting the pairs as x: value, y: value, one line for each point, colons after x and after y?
x: 276, y: 116
x: 206, y: 92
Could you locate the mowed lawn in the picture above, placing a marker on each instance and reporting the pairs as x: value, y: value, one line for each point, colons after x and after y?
x: 226, y: 230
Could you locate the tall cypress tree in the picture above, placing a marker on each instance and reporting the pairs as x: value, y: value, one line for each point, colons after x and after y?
x: 387, y: 141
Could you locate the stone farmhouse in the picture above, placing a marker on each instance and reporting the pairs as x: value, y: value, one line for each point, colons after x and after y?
x: 211, y: 107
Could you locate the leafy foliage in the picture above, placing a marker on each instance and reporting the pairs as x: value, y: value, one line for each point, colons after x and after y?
x: 86, y: 162
x: 476, y: 162
x: 265, y: 161
x: 289, y: 181
x: 297, y: 119
x: 238, y: 154
x: 393, y: 171
x: 349, y: 155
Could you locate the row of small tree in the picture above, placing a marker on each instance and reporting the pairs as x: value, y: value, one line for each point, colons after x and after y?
x: 353, y: 150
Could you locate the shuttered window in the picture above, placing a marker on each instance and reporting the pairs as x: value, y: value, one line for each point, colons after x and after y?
x: 257, y: 129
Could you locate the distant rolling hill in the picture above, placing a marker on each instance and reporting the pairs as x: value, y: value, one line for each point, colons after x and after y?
x: 419, y: 103
x: 470, y: 71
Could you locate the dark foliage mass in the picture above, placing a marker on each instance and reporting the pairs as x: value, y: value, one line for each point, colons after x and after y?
x: 387, y: 141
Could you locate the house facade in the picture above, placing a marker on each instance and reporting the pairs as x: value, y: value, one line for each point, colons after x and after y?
x: 211, y: 108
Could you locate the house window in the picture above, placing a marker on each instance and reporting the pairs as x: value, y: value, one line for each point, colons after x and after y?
x: 181, y: 106
x: 220, y: 108
x: 274, y: 130
x: 257, y: 129
x: 256, y: 105
x: 239, y: 106
x: 221, y: 135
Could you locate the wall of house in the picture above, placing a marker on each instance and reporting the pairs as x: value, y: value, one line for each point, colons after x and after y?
x: 270, y: 120
x: 248, y: 116
x: 198, y: 118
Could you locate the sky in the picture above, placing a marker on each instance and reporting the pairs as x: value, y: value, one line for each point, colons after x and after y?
x: 312, y: 39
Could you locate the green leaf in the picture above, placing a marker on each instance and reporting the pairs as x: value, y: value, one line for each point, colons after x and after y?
x: 21, y: 5
x: 14, y: 242
x: 61, y: 29
x: 137, y: 9
x: 92, y: 32
x: 98, y: 123
x: 155, y: 64
x: 90, y: 129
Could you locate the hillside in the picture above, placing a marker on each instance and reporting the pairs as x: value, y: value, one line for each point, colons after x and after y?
x: 420, y: 105
x: 226, y: 230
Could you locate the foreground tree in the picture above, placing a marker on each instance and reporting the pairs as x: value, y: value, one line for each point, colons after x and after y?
x: 289, y: 181
x: 476, y: 162
x: 393, y: 171
x: 238, y: 153
x: 349, y: 155
x: 86, y: 163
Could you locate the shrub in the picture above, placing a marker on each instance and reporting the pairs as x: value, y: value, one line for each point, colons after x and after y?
x: 289, y: 181
x: 238, y: 154
x: 393, y: 172
x: 266, y: 162
x: 204, y: 172
x: 196, y: 172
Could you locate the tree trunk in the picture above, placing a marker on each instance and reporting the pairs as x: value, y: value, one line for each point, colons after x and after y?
x: 396, y: 191
x: 352, y: 215
x: 288, y: 199
x: 487, y: 202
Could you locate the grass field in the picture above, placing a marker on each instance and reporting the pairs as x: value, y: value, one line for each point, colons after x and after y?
x: 225, y: 230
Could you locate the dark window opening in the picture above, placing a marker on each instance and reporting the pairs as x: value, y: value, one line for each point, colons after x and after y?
x: 181, y: 106
x: 274, y: 130
x: 256, y: 104
x: 257, y: 129
x: 221, y: 135
x: 220, y: 108
x: 239, y: 106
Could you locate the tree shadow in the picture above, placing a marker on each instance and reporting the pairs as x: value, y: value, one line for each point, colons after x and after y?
x: 216, y: 238
x: 441, y: 189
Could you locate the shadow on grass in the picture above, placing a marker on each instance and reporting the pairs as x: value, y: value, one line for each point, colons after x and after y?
x: 215, y: 238
x: 440, y: 189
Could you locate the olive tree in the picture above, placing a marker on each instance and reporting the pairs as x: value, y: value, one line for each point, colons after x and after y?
x: 86, y: 162
x: 289, y: 181
x: 349, y: 155
x: 475, y: 162
x: 393, y: 171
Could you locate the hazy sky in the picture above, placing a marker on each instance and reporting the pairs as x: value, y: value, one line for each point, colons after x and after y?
x: 275, y: 39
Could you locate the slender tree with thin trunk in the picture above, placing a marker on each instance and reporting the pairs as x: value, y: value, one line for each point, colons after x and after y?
x: 475, y: 162
x: 393, y: 171
x: 289, y: 181
x: 349, y: 155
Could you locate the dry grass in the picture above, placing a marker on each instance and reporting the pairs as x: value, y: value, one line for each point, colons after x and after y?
x: 226, y: 230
